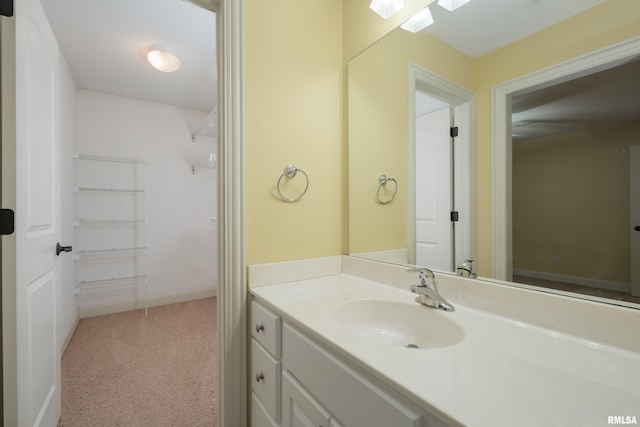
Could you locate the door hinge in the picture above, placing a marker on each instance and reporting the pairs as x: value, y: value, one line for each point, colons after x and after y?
x: 454, y: 216
x: 453, y: 131
x: 6, y: 7
x: 6, y: 222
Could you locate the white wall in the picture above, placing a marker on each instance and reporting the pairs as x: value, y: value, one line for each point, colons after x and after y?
x: 67, y: 302
x: 180, y: 204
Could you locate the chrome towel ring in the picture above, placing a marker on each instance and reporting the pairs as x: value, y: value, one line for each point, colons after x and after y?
x: 382, y: 181
x: 290, y: 172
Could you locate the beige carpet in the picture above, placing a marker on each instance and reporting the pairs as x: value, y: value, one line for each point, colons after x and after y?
x: 129, y: 370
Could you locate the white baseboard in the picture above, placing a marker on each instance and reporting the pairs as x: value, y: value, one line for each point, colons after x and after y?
x: 99, y: 310
x: 574, y: 280
x: 69, y: 334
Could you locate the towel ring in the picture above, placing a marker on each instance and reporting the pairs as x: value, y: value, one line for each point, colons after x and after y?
x: 382, y: 180
x: 290, y: 172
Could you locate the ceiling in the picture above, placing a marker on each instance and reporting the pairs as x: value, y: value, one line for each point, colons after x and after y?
x: 105, y: 43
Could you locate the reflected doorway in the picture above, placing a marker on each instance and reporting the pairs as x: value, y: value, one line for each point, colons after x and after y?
x: 573, y: 189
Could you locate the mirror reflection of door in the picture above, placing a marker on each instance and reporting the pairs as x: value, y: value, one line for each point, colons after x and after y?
x: 439, y: 171
x: 575, y: 185
x: 434, y: 192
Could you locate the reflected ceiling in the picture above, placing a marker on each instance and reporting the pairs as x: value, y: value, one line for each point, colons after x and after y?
x: 482, y: 26
x: 606, y: 98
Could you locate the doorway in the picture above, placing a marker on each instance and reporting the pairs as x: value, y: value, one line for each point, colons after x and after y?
x: 573, y: 80
x: 143, y: 204
x: 232, y: 297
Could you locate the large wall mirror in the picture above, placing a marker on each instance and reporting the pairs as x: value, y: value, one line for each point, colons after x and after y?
x: 563, y: 193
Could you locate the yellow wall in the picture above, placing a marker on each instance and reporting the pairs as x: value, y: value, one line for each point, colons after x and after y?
x: 377, y: 110
x: 571, y: 200
x: 294, y: 114
x: 596, y: 28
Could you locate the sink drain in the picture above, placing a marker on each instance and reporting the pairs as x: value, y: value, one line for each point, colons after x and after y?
x: 412, y: 346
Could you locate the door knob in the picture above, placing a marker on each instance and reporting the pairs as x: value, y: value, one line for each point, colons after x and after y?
x: 60, y: 248
x: 637, y: 228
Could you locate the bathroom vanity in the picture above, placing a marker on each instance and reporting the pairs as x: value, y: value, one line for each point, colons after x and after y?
x: 310, y: 384
x: 331, y: 346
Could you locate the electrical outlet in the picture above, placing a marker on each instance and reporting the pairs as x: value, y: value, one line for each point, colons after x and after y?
x: 556, y: 259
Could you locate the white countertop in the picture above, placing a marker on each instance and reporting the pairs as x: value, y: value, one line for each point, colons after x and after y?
x: 503, y: 373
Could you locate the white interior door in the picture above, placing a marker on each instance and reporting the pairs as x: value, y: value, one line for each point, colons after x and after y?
x: 634, y: 199
x: 37, y: 219
x: 434, y: 232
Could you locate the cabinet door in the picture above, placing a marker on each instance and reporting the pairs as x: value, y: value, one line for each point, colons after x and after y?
x: 259, y: 415
x: 322, y: 374
x: 299, y: 408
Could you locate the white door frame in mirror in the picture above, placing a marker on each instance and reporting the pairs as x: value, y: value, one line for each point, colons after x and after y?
x: 463, y: 101
x: 580, y: 66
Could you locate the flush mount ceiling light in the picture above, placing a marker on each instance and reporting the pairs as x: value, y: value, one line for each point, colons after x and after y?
x: 386, y: 8
x: 419, y: 21
x: 452, y: 5
x: 162, y: 60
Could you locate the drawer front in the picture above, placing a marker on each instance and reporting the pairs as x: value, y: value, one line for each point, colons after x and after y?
x: 323, y: 375
x: 266, y: 328
x: 259, y: 416
x: 266, y: 379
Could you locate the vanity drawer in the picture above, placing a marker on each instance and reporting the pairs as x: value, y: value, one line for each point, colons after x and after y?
x: 323, y: 374
x: 265, y: 327
x: 259, y: 415
x: 266, y: 379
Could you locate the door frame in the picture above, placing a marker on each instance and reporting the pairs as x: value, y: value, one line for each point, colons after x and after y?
x: 232, y: 371
x: 463, y: 102
x: 8, y: 201
x: 501, y: 146
x: 232, y: 267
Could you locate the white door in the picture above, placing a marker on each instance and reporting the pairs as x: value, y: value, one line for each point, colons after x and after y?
x: 634, y: 199
x: 434, y: 231
x: 37, y: 219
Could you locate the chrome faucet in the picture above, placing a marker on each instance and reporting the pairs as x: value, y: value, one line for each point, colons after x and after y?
x: 428, y: 291
x: 465, y: 269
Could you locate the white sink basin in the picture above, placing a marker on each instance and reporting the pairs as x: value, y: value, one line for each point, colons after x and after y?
x: 399, y: 324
